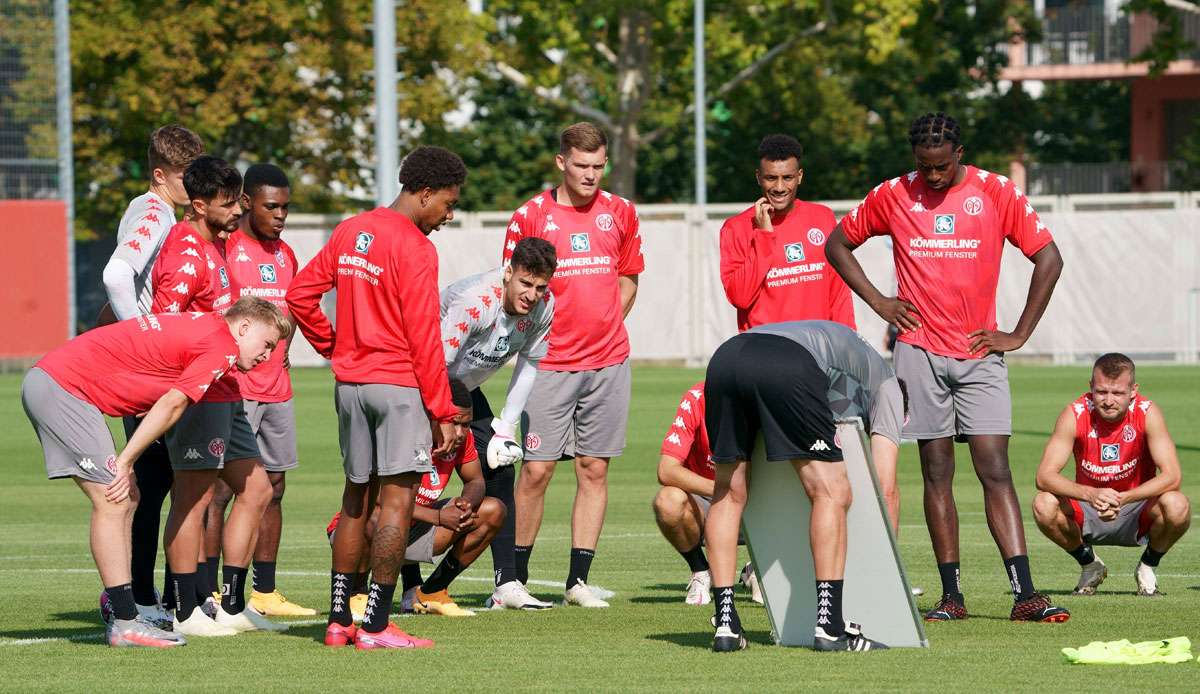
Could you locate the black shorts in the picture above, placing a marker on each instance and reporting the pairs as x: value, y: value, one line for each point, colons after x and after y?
x: 769, y: 384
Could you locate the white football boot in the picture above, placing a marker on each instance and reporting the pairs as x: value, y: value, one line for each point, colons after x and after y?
x: 699, y: 589
x: 581, y: 594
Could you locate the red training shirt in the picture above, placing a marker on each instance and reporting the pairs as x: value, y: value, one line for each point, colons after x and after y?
x: 782, y: 275
x: 125, y: 367
x: 596, y: 244
x: 190, y: 275
x: 947, y: 247
x: 263, y: 269
x: 687, y: 439
x: 389, y: 322
x: 1112, y: 454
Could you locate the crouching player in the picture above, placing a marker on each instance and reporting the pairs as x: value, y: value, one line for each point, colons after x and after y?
x: 1126, y: 488
x: 460, y: 527
x: 155, y: 365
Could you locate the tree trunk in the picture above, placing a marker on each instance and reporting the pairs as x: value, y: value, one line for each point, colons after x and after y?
x: 633, y: 63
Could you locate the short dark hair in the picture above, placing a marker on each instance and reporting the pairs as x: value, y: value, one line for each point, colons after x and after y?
x: 779, y: 147
x: 460, y: 394
x: 173, y: 147
x: 535, y: 256
x: 431, y: 167
x: 585, y: 137
x: 260, y: 175
x: 1114, y: 364
x: 934, y: 130
x: 208, y: 176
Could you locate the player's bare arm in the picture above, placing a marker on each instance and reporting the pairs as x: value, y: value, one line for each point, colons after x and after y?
x: 474, y: 486
x: 1162, y: 448
x: 672, y: 473
x: 629, y: 287
x: 840, y: 253
x: 162, y: 416
x: 1054, y: 459
x: 1047, y: 267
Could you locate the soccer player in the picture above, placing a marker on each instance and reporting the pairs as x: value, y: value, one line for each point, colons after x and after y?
x: 773, y: 254
x: 153, y: 365
x: 460, y: 527
x: 261, y: 264
x: 791, y: 381
x: 1126, y: 488
x: 486, y: 320
x: 213, y: 438
x: 580, y: 401
x: 391, y: 378
x: 948, y: 222
x: 143, y: 227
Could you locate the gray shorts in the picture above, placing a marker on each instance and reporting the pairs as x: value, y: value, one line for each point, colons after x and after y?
x: 208, y: 434
x: 75, y: 438
x: 421, y: 537
x: 1131, y: 527
x: 572, y: 413
x: 703, y: 503
x: 383, y: 430
x: 274, y: 425
x: 951, y: 397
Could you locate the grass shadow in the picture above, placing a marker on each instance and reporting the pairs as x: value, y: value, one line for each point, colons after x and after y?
x: 703, y: 639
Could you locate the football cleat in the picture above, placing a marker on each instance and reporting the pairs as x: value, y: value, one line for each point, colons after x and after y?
x: 391, y: 637
x: 337, y: 635
x: 125, y: 633
x: 699, y: 589
x: 106, y: 609
x: 438, y: 603
x: 917, y: 591
x: 248, y: 620
x: 273, y: 604
x: 602, y: 593
x: 1090, y: 577
x: 750, y: 580
x: 210, y: 607
x: 513, y: 595
x: 581, y: 594
x: 358, y: 606
x: 1147, y: 581
x: 850, y: 640
x: 407, y: 600
x: 947, y: 609
x: 200, y: 624
x: 726, y: 641
x: 1037, y: 608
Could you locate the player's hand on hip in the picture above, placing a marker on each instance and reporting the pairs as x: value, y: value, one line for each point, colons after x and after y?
x: 988, y: 341
x: 762, y: 215
x: 899, y: 313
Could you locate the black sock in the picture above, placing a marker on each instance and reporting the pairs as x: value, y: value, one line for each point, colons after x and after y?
x: 379, y: 607
x: 410, y: 576
x: 200, y: 587
x: 168, y: 594
x: 829, y: 607
x: 443, y: 575
x: 185, y: 594
x: 339, y: 599
x: 264, y: 576
x: 724, y: 609
x: 153, y: 472
x: 1151, y: 558
x: 951, y: 580
x: 359, y: 583
x: 695, y: 559
x: 213, y: 567
x: 1017, y: 569
x: 521, y: 560
x: 581, y: 563
x: 1083, y: 554
x: 121, y: 599
x: 233, y: 589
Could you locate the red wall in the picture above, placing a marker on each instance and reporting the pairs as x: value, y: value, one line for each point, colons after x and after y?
x: 33, y: 277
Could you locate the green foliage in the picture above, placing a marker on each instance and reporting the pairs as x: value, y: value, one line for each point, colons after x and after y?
x: 1169, y: 40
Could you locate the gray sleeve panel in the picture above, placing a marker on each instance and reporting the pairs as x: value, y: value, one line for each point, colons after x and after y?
x: 887, y: 411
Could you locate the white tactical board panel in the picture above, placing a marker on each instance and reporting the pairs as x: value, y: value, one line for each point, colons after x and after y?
x: 876, y: 592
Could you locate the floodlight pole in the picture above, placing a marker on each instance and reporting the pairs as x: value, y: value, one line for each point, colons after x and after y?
x: 698, y: 99
x: 387, y: 147
x: 697, y: 277
x: 66, y: 159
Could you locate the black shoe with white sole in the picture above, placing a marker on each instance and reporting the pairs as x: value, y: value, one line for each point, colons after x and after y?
x: 726, y: 640
x: 851, y: 640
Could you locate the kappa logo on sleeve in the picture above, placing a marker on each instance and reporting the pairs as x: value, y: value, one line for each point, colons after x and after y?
x: 794, y: 252
x: 580, y: 243
x: 362, y: 243
x: 943, y: 224
x: 1110, y: 452
x: 266, y: 272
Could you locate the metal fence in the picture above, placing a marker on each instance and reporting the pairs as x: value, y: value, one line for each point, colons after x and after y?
x: 1108, y: 177
x: 29, y: 166
x: 1081, y: 35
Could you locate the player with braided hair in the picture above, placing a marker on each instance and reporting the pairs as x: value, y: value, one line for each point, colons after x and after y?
x: 948, y: 222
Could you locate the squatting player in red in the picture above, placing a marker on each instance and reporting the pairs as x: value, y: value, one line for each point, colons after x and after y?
x: 391, y: 378
x: 213, y: 439
x: 262, y: 264
x: 948, y: 222
x: 152, y: 365
x: 580, y: 401
x: 1126, y: 488
x: 773, y: 254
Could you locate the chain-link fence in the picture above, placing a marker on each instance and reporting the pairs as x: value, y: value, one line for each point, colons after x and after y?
x: 29, y: 166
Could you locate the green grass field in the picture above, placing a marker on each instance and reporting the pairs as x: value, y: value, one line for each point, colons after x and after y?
x: 648, y: 640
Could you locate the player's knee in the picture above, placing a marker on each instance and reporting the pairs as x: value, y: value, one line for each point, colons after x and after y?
x: 492, y: 512
x: 1046, y: 508
x: 838, y: 490
x: 221, y: 495
x: 669, y: 503
x: 278, y: 486
x: 535, y: 476
x: 258, y: 491
x: 995, y: 474
x: 1176, y: 510
x: 591, y: 471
